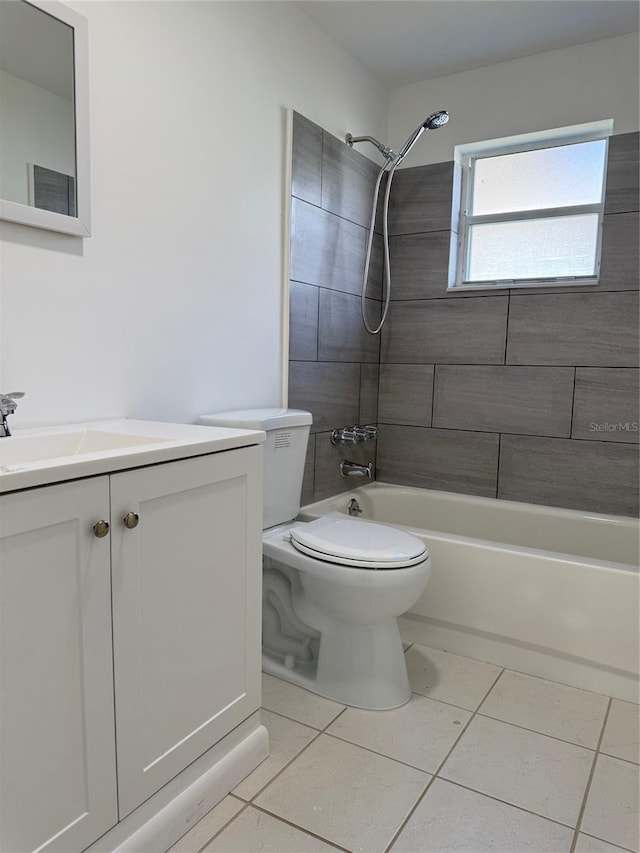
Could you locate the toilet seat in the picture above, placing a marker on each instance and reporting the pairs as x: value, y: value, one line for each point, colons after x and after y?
x: 361, y: 544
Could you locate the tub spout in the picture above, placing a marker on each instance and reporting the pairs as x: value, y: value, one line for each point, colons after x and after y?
x: 352, y: 469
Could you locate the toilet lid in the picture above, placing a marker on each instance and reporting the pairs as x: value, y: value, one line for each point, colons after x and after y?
x: 363, y: 544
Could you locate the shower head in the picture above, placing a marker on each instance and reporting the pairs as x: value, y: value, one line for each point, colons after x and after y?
x: 432, y: 122
x: 436, y: 120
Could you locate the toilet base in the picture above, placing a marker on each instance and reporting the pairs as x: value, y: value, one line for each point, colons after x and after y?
x: 363, y: 667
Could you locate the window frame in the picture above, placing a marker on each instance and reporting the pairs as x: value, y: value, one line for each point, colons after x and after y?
x: 465, y: 159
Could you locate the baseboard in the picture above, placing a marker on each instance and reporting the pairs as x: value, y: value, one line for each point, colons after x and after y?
x: 171, y: 812
x: 521, y: 657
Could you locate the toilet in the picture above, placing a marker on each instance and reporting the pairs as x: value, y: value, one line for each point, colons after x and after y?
x: 333, y: 587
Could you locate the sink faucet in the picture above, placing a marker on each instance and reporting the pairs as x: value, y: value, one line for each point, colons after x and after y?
x: 8, y: 406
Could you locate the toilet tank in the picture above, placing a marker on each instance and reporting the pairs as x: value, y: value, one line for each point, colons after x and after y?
x: 284, y: 454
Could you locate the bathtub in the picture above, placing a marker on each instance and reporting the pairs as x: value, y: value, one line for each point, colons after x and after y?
x: 550, y: 592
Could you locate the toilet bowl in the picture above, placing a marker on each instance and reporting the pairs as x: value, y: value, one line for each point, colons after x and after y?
x: 333, y: 587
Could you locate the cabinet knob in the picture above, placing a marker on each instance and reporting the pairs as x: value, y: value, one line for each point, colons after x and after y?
x: 100, y: 529
x: 131, y: 520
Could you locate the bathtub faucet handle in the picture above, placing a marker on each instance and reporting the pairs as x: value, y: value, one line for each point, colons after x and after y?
x: 354, y: 434
x: 345, y: 435
x: 367, y: 433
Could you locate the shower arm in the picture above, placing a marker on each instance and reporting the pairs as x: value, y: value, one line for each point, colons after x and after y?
x: 383, y: 149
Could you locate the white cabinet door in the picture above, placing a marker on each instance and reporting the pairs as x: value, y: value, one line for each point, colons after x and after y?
x: 57, y: 750
x: 186, y: 612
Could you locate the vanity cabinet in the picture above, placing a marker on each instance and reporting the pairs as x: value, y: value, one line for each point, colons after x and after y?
x: 186, y: 612
x: 158, y: 619
x: 57, y: 749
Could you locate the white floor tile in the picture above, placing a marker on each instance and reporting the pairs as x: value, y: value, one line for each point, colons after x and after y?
x: 612, y: 805
x: 546, y: 707
x: 587, y: 844
x: 538, y: 773
x: 622, y: 733
x: 286, y: 739
x: 206, y: 828
x: 448, y: 677
x: 453, y: 819
x: 301, y: 705
x: 348, y: 795
x: 256, y: 832
x: 420, y: 733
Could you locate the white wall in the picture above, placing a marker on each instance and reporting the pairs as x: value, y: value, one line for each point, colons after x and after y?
x: 37, y: 127
x: 578, y: 84
x: 172, y: 307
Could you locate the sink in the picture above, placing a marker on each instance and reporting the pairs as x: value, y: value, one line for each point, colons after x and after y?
x: 42, y: 455
x: 27, y: 449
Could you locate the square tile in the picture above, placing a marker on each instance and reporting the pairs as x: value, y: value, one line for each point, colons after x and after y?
x: 328, y: 479
x: 546, y: 707
x: 298, y: 704
x: 341, y: 333
x: 622, y: 732
x: 286, y: 739
x: 420, y: 265
x: 421, y: 199
x: 205, y: 829
x: 574, y: 328
x: 369, y: 375
x: 306, y: 165
x: 612, y: 804
x: 606, y: 404
x: 449, y: 331
x: 598, y: 476
x: 348, y: 180
x: 452, y: 460
x: 325, y: 249
x: 537, y: 773
x: 308, y: 480
x: 256, y: 832
x: 453, y: 819
x: 504, y: 398
x: 588, y: 844
x: 348, y: 795
x: 622, y: 173
x: 405, y: 394
x: 303, y: 322
x: 448, y: 677
x: 328, y: 391
x: 420, y: 733
x: 620, y: 252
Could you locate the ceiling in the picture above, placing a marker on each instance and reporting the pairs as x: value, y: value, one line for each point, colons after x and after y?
x: 405, y: 41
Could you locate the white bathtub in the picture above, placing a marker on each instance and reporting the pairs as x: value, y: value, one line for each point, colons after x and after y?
x: 550, y: 592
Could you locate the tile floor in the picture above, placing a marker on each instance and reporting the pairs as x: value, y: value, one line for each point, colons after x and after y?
x: 479, y: 759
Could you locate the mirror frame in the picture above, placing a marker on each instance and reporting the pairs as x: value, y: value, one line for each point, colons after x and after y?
x: 79, y: 225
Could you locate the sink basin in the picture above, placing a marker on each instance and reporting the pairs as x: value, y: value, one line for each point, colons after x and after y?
x: 43, y: 455
x: 27, y: 449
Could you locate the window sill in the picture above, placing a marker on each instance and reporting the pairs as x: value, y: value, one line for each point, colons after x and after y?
x: 514, y: 285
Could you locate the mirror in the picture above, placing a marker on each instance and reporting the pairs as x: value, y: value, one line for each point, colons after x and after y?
x: 44, y: 126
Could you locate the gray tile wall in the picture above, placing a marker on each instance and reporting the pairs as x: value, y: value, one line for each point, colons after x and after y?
x: 528, y: 395
x: 333, y: 362
x: 525, y: 395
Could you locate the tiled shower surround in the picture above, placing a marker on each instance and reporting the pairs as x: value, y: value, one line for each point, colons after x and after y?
x: 522, y: 394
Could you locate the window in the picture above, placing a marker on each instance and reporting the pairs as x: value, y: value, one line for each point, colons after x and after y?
x: 531, y: 209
